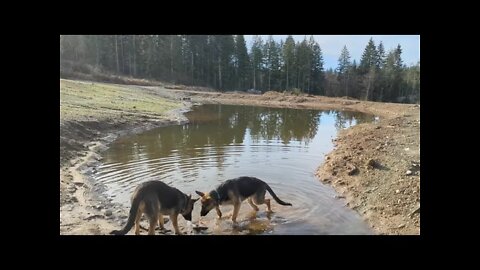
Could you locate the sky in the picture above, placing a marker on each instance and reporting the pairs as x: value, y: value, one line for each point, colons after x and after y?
x: 332, y: 45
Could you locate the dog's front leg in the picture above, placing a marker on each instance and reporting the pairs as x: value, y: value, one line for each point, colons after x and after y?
x: 161, y: 222
x: 236, y: 208
x: 219, y: 213
x: 137, y: 222
x: 175, y: 223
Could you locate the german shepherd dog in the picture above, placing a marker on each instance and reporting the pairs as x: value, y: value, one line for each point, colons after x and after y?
x: 155, y: 199
x: 235, y: 191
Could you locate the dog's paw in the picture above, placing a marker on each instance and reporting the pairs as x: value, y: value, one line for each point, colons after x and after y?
x: 165, y: 231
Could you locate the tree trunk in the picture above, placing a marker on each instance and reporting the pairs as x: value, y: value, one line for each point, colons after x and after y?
x: 134, y: 58
x: 97, y: 56
x: 381, y: 93
x: 116, y: 53
x: 75, y: 49
x: 254, y: 86
x: 269, y: 78
x: 261, y: 81
x: 215, y: 83
x: 61, y: 46
x: 171, y: 57
x: 219, y: 74
x: 123, y: 58
x: 286, y: 88
x: 308, y: 87
x: 192, y: 69
x: 346, y: 84
x: 130, y: 66
x: 237, y: 78
x: 298, y: 77
x: 370, y: 75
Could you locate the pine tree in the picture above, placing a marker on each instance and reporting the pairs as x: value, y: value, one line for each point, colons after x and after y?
x: 267, y: 59
x: 343, y: 69
x: 381, y: 56
x: 318, y: 77
x: 354, y: 80
x: 380, y: 76
x: 304, y: 64
x: 399, y: 91
x: 393, y: 75
x: 343, y: 61
x: 275, y: 65
x: 243, y: 62
x: 369, y: 57
x: 257, y: 61
x: 289, y: 59
x: 369, y: 68
x: 272, y: 64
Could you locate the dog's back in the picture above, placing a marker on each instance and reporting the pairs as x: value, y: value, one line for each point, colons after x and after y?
x: 168, y: 197
x: 244, y: 187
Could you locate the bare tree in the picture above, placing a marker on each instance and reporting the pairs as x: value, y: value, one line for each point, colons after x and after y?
x: 116, y: 53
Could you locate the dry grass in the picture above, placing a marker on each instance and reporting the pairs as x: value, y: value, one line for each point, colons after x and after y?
x: 98, y: 101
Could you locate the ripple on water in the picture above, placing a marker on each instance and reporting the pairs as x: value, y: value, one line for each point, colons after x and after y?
x: 284, y: 149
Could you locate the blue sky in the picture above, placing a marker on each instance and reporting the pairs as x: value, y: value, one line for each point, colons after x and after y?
x: 332, y: 45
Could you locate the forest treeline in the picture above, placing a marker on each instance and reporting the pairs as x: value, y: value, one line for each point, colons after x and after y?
x: 223, y: 62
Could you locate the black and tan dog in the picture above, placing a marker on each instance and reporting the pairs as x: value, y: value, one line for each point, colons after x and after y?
x: 155, y: 199
x: 235, y: 191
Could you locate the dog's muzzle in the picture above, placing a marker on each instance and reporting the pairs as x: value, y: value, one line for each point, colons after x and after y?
x: 188, y: 216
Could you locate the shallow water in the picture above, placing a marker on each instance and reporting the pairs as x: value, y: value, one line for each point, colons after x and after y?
x: 283, y: 147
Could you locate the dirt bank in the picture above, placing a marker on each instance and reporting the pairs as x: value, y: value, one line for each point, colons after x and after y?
x: 377, y: 168
x: 94, y: 114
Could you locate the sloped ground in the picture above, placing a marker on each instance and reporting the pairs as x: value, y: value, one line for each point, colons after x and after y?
x: 377, y: 168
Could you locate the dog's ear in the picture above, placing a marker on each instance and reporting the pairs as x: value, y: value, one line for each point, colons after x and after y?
x: 200, y: 193
x: 193, y: 200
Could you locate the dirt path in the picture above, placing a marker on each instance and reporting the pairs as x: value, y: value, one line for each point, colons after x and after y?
x: 95, y: 114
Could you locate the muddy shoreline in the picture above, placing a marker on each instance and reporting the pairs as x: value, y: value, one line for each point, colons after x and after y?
x: 373, y: 191
x: 83, y: 207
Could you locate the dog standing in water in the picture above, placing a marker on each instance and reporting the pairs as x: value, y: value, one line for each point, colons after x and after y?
x: 155, y: 199
x: 235, y: 191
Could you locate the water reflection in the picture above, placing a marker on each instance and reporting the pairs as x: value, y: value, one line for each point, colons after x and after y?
x: 221, y: 125
x: 280, y: 146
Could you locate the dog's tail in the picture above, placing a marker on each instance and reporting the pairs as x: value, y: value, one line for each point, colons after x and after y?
x: 131, y: 218
x: 275, y: 196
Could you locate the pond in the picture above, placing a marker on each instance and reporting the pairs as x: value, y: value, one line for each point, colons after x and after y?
x: 281, y: 146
